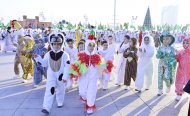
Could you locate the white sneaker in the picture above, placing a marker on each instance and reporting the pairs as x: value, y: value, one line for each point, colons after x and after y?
x: 138, y: 90
x: 178, y: 98
x: 35, y: 86
x: 59, y: 105
x: 160, y: 92
x: 126, y: 87
x: 167, y: 89
x: 30, y: 77
x: 89, y: 111
x: 16, y: 76
x: 25, y: 81
x: 117, y: 84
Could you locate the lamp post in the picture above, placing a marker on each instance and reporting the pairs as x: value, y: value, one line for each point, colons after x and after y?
x: 114, y: 14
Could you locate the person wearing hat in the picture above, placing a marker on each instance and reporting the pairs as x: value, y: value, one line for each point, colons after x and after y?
x: 57, y: 62
x: 145, y: 63
x: 183, y: 72
x: 167, y: 62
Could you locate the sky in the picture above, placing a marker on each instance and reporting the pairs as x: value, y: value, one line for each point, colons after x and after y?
x: 97, y: 11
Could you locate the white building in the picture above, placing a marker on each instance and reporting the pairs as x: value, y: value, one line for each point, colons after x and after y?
x: 169, y: 15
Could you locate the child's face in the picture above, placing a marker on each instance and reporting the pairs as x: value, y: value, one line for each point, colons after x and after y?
x: 146, y: 41
x: 105, y: 46
x: 81, y: 47
x: 91, y: 47
x: 126, y: 40
x: 56, y: 46
x: 166, y: 40
x: 40, y: 44
x: 70, y: 44
x: 110, y: 40
x: 130, y: 42
x: 185, y: 44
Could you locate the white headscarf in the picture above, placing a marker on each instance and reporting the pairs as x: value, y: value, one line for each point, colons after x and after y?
x: 151, y: 41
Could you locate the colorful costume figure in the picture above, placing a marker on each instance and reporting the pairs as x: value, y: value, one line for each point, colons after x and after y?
x: 18, y: 57
x: 39, y: 71
x: 27, y: 58
x: 57, y: 63
x: 108, y: 55
x: 167, y: 63
x: 131, y: 63
x: 145, y: 63
x: 87, y: 69
x: 183, y: 73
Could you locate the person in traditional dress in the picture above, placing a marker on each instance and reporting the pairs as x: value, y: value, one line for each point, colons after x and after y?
x: 120, y: 67
x: 167, y: 62
x: 131, y: 63
x: 145, y: 63
x: 183, y: 73
x: 57, y: 62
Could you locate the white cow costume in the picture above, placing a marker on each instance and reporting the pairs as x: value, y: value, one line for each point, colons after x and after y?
x: 88, y: 68
x: 145, y: 64
x: 57, y: 63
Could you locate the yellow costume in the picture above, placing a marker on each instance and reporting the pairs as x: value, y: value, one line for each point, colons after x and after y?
x: 27, y: 58
x: 78, y: 35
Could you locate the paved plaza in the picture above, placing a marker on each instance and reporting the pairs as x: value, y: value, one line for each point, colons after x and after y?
x: 19, y: 99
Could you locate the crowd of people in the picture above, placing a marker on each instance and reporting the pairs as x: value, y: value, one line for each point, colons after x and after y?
x: 90, y: 57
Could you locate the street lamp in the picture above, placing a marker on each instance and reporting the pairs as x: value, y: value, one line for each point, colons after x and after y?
x: 114, y: 14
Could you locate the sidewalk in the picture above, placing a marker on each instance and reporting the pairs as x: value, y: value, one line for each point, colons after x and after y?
x: 18, y: 99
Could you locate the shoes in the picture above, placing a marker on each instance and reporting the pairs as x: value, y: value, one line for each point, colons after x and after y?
x: 104, y: 89
x: 35, y: 86
x: 126, y: 87
x: 16, y: 76
x: 178, y: 97
x: 82, y: 99
x: 117, y: 84
x: 59, y: 105
x: 45, y: 111
x: 24, y: 81
x: 160, y: 92
x: 138, y: 90
x: 89, y: 111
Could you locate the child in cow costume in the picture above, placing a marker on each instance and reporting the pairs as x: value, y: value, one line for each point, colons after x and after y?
x: 57, y: 62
